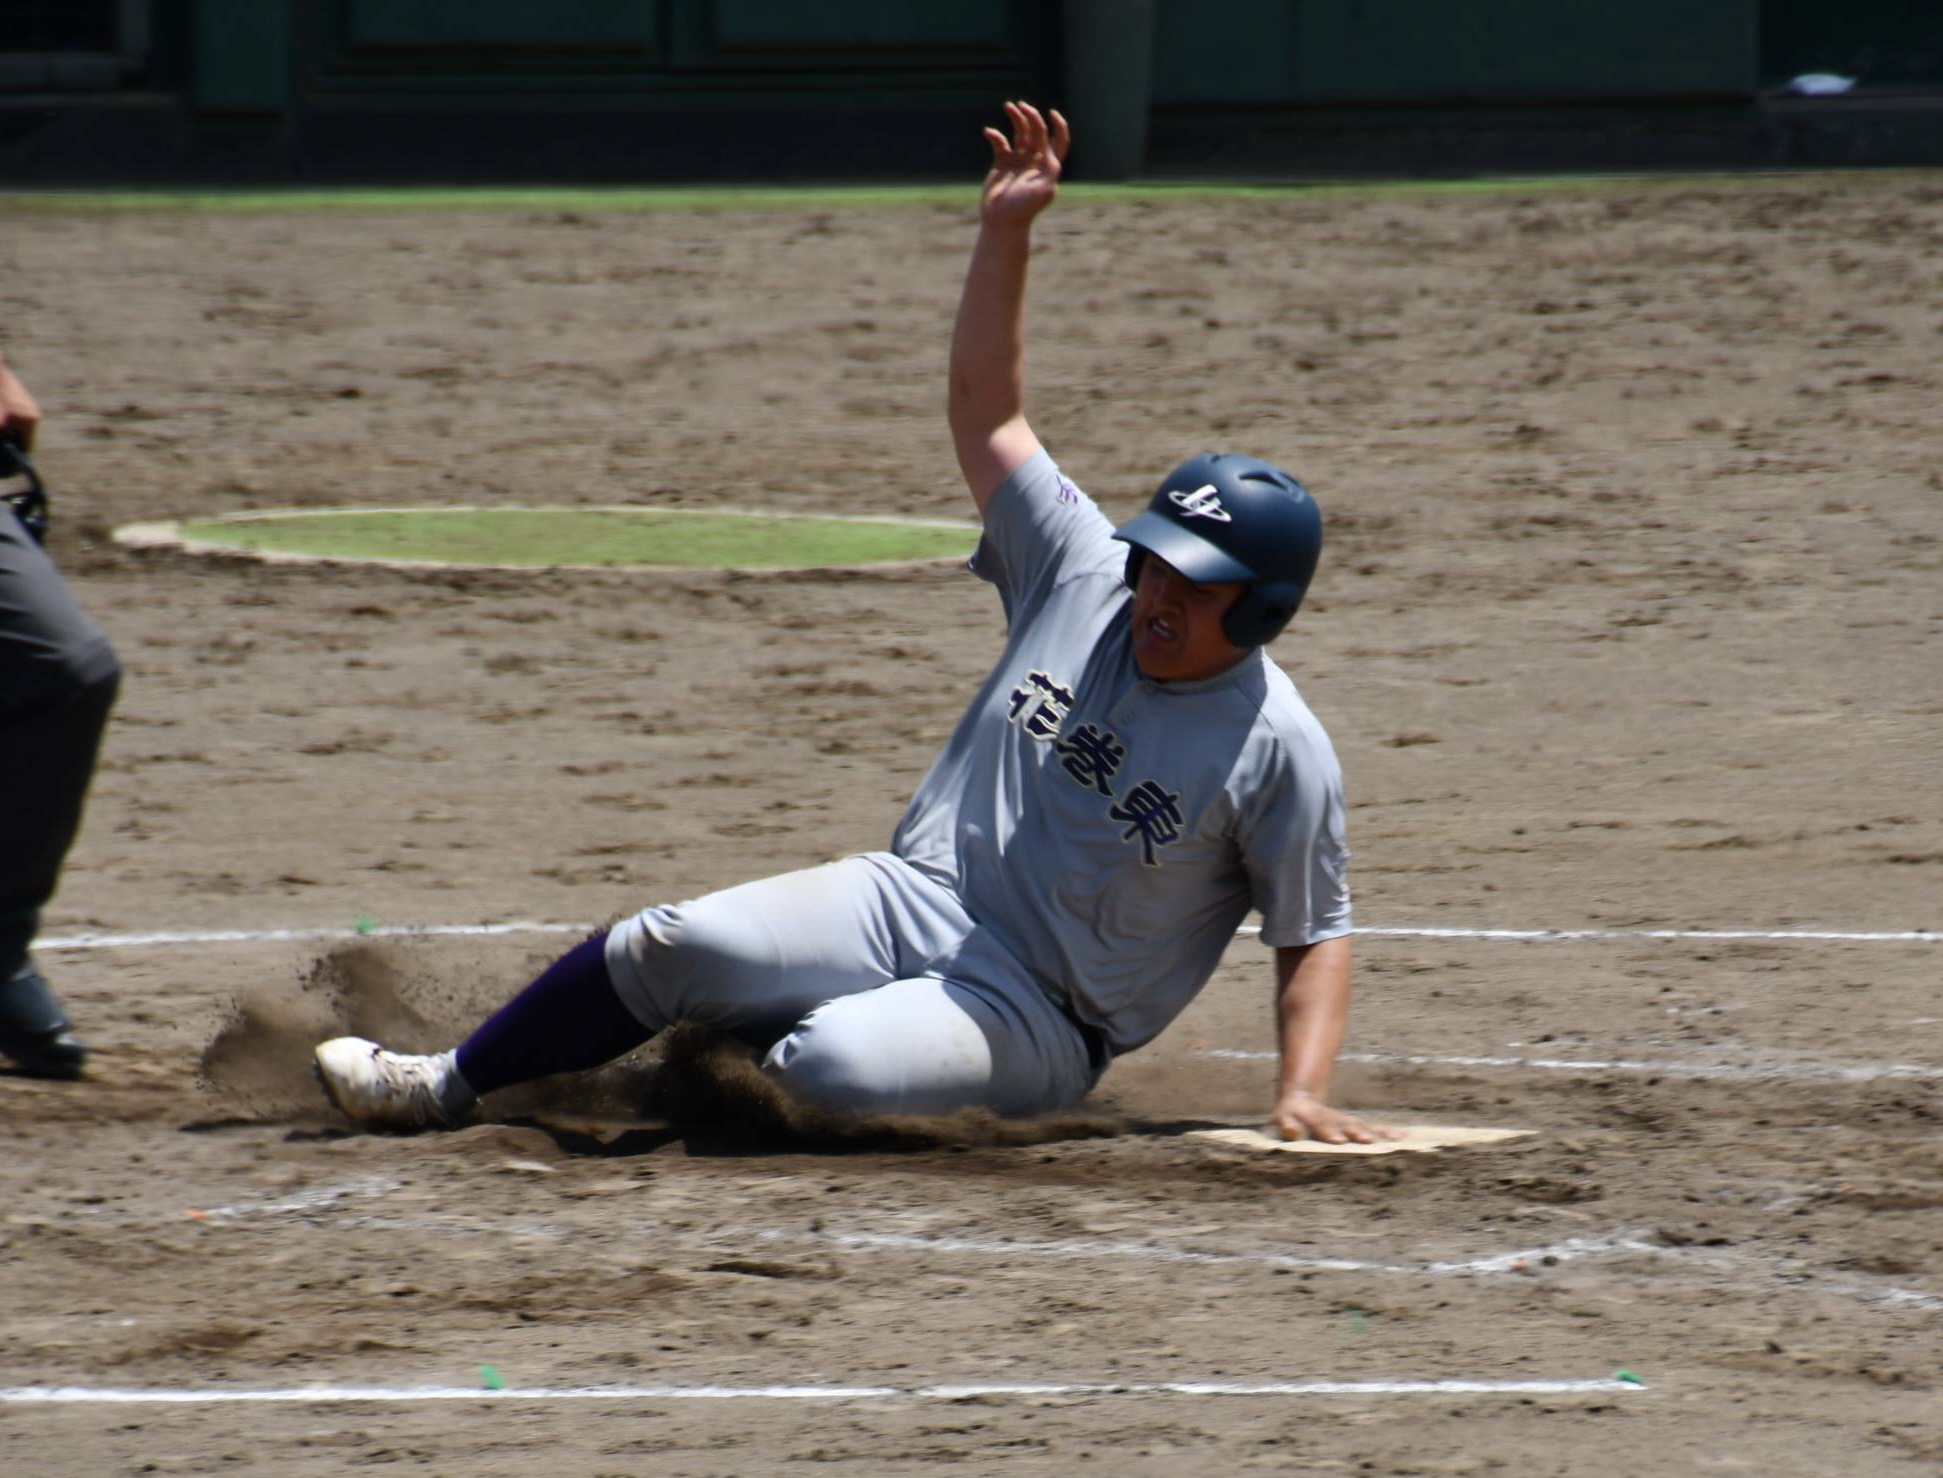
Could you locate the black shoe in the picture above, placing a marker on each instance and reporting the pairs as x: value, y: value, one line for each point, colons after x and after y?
x: 33, y: 1029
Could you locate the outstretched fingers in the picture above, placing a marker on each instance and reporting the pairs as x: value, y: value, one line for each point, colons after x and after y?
x: 1026, y: 155
x: 1029, y: 128
x: 1062, y: 136
x: 1033, y: 140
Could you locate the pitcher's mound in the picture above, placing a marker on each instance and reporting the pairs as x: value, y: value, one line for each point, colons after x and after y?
x: 564, y: 538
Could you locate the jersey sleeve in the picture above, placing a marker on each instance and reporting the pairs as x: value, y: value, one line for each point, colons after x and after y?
x: 1040, y: 529
x: 1293, y: 848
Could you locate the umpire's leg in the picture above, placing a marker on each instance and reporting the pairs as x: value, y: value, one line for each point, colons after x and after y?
x: 58, y: 679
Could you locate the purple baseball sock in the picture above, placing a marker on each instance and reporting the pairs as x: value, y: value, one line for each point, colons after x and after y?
x: 567, y: 1020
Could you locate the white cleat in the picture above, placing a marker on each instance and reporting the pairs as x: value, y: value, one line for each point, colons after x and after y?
x: 400, y: 1089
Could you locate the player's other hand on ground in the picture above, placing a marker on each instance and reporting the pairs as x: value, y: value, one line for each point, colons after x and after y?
x: 1304, y: 1116
x: 1025, y: 167
x: 18, y: 413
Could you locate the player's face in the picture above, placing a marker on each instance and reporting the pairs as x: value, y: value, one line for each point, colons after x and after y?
x: 1177, y: 634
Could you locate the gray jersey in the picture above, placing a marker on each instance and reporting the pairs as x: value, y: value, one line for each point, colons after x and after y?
x: 1112, y: 832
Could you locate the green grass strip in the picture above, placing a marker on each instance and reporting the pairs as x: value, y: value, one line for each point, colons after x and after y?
x: 540, y: 537
x: 485, y: 197
x: 756, y: 198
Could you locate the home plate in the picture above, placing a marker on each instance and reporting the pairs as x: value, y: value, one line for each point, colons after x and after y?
x: 1420, y: 1138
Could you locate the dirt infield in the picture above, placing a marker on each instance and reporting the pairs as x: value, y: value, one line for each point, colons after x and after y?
x: 1628, y: 621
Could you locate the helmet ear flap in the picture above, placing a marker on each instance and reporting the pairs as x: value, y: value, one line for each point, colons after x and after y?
x: 1260, y: 612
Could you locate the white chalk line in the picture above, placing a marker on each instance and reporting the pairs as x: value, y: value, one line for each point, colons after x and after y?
x: 321, y: 1395
x: 318, y: 1198
x: 1545, y: 936
x: 166, y: 938
x: 1520, y: 1262
x: 313, y: 1204
x: 1799, y: 1072
x: 303, y: 936
x: 1809, y: 1072
x: 1569, y: 1250
x: 328, y: 1207
x: 311, y: 1207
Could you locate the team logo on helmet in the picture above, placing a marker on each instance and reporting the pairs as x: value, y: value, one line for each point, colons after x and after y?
x: 1203, y: 502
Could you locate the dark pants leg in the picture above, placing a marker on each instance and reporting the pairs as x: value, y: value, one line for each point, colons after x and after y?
x: 58, y: 680
x: 46, y: 762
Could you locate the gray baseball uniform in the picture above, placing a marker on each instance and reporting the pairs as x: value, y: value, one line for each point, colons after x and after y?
x: 1065, y: 878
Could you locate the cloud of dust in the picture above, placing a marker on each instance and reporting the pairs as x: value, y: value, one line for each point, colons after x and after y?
x: 258, y: 1065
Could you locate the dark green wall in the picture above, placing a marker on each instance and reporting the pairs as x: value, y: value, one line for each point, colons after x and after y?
x: 1210, y: 52
x: 241, y: 56
x: 610, y: 54
x: 555, y: 90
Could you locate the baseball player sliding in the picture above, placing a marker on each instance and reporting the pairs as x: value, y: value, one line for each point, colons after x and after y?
x: 1132, y: 777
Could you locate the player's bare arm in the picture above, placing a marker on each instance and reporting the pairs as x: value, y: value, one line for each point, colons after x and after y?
x: 1312, y: 984
x: 986, y: 396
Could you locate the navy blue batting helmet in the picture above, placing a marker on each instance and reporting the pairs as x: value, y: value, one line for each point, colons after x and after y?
x: 1220, y: 517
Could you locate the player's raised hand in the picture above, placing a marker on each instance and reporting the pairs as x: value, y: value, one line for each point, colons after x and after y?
x: 1025, y: 167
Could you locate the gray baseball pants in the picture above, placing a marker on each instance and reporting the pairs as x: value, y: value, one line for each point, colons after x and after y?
x: 882, y: 994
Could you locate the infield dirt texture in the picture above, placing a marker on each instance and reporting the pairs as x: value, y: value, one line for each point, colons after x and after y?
x: 1629, y: 619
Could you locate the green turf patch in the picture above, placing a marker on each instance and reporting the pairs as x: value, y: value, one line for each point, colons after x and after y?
x: 599, y: 537
x: 756, y: 197
x: 407, y: 198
